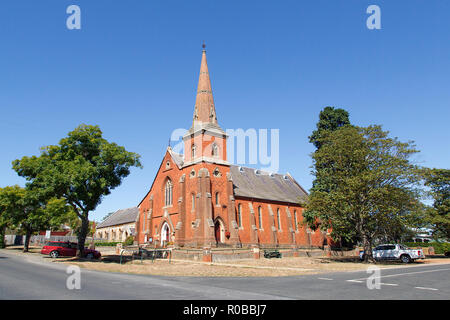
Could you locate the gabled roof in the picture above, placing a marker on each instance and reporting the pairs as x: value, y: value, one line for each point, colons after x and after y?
x: 176, y: 157
x: 258, y: 184
x: 120, y: 217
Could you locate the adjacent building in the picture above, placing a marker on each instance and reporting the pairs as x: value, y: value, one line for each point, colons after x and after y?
x: 118, y: 226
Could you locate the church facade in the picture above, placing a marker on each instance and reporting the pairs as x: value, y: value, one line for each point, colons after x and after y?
x: 199, y: 199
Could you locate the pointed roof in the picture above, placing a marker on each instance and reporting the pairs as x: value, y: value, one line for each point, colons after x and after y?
x: 258, y: 184
x: 205, y: 111
x: 120, y: 217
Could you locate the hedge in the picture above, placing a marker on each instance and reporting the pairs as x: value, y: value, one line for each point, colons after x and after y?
x: 106, y: 244
x: 439, y: 247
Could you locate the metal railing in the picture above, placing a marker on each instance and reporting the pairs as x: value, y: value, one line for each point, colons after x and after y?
x: 147, y: 254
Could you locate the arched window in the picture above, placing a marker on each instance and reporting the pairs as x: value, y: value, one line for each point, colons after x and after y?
x: 168, y: 193
x: 278, y: 219
x: 260, y: 217
x: 295, y: 220
x: 240, y: 215
x: 143, y: 222
x: 193, y: 151
x: 217, y: 199
x: 215, y: 150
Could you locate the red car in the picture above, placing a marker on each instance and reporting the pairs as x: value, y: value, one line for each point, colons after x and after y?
x: 67, y: 249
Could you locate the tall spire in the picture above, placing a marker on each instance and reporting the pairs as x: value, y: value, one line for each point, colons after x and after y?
x: 204, y: 112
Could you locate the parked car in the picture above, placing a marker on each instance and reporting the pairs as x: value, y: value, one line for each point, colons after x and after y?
x: 394, y: 252
x: 67, y: 249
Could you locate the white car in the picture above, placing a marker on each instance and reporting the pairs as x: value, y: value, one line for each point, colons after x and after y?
x: 395, y: 252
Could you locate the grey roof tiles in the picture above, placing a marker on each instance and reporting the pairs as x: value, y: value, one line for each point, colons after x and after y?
x: 253, y: 183
x: 120, y: 217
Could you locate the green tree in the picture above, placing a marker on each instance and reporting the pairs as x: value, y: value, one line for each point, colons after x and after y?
x: 28, y: 212
x: 83, y: 168
x: 5, y: 220
x: 438, y: 180
x: 107, y: 216
x: 330, y: 119
x: 369, y: 185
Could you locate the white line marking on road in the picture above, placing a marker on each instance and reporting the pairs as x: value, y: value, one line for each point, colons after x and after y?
x: 389, y: 284
x: 400, y: 274
x: 357, y: 281
x: 423, y: 288
x: 325, y: 279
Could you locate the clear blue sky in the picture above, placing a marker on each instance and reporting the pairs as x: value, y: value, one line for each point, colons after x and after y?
x: 133, y: 70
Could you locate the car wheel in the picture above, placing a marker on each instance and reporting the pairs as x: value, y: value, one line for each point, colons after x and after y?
x: 54, y: 254
x: 90, y: 256
x: 405, y: 258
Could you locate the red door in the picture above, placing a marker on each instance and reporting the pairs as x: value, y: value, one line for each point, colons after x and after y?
x: 217, y: 231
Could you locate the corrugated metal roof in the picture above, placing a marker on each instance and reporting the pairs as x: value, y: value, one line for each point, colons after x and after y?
x: 253, y: 183
x: 120, y: 217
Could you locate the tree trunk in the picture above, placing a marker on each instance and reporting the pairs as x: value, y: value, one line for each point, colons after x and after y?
x: 83, y: 234
x: 2, y: 237
x: 26, y: 244
x: 367, y: 249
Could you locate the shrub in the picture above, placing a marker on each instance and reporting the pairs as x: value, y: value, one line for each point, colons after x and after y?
x: 129, y: 241
x: 106, y: 244
x: 439, y: 247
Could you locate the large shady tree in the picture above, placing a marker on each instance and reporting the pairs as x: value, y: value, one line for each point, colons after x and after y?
x: 28, y: 211
x: 369, y: 186
x: 5, y: 218
x: 83, y: 168
x: 330, y: 120
x: 438, y: 216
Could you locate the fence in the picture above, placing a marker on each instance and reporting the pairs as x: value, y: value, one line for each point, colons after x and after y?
x: 41, y: 239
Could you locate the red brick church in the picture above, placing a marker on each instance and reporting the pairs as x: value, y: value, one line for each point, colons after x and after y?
x: 199, y: 199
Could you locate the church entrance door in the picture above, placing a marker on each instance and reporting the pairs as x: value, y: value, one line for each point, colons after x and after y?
x: 218, y: 231
x: 165, y: 232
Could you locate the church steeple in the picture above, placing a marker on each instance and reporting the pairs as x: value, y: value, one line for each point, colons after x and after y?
x: 205, y: 111
x: 205, y: 141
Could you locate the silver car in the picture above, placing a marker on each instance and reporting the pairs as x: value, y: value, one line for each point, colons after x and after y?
x: 395, y: 252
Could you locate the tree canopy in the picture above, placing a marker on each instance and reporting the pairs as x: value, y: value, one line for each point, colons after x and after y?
x: 368, y: 184
x: 25, y: 209
x: 82, y: 169
x: 438, y: 180
x: 330, y: 119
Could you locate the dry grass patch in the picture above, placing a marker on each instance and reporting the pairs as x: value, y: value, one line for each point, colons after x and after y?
x: 289, y: 266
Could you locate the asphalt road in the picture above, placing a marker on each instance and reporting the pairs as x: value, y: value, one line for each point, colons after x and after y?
x: 33, y: 278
